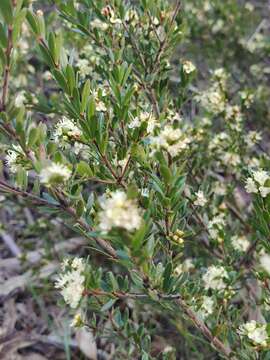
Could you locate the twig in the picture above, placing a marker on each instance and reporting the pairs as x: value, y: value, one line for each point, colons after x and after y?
x: 63, y: 206
x: 7, y: 69
x: 200, y: 325
x: 177, y: 298
x: 165, y: 41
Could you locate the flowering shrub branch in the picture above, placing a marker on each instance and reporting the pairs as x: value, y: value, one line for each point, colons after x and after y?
x: 162, y: 175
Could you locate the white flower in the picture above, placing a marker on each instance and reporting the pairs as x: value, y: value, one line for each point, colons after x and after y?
x: 201, y: 199
x: 171, y: 139
x: 188, y: 67
x: 264, y: 261
x: 214, y: 278
x: 251, y: 186
x: 66, y: 129
x: 186, y: 266
x: 240, y: 243
x: 207, y: 307
x: 78, y: 264
x: 20, y: 99
x: 71, y: 283
x: 215, y: 225
x: 12, y: 158
x: 100, y: 105
x: 135, y: 123
x: 260, y: 176
x: 119, y: 211
x: 255, y: 332
x: 54, y: 174
x: 231, y: 158
x: 145, y: 192
x: 98, y: 24
x: 84, y: 67
x: 264, y: 191
x: 252, y: 138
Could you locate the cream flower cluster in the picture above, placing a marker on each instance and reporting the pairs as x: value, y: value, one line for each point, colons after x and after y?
x: 144, y: 117
x: 54, y: 174
x: 66, y: 129
x: 71, y: 281
x: 200, y: 199
x: 188, y: 67
x: 257, y: 183
x: 171, y: 139
x: 264, y: 261
x: 207, y: 307
x: 119, y: 211
x: 240, y: 243
x: 186, y: 266
x: 214, y: 278
x: 216, y: 225
x: 256, y: 332
x: 214, y: 99
x: 12, y: 158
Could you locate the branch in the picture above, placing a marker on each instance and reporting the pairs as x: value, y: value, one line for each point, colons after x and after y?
x: 7, y: 69
x: 177, y: 298
x: 63, y: 206
x: 200, y: 325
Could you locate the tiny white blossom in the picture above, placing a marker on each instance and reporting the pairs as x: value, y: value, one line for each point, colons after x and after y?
x: 264, y: 191
x: 98, y: 24
x: 256, y: 332
x: 71, y: 282
x: 20, y: 99
x: 119, y: 211
x: 12, y: 158
x: 186, y: 266
x: 251, y: 186
x: 264, y: 261
x: 240, y: 243
x: 188, y: 67
x: 260, y: 176
x: 54, y: 174
x: 84, y: 67
x: 214, y: 278
x: 66, y: 129
x: 207, y: 307
x: 201, y: 199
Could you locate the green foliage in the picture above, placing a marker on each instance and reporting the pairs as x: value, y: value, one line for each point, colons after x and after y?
x: 108, y: 125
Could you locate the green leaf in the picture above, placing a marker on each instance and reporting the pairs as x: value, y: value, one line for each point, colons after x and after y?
x: 46, y: 55
x: 33, y: 137
x: 80, y: 206
x: 59, y: 77
x: 166, y: 173
x: 139, y: 237
x: 83, y: 169
x: 31, y: 18
x: 108, y: 305
x: 112, y: 280
x: 70, y: 78
x: 6, y: 11
x: 3, y: 36
x: 85, y: 95
x: 3, y: 58
x: 167, y: 277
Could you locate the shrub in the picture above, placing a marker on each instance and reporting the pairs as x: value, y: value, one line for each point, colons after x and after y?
x: 105, y: 126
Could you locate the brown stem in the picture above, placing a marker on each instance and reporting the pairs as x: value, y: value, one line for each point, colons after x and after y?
x: 109, y: 167
x: 69, y: 210
x: 200, y: 325
x: 163, y: 44
x: 7, y: 69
